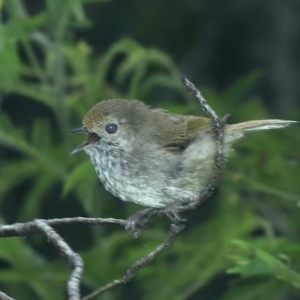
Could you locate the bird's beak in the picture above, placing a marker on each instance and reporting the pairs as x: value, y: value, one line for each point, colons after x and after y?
x: 79, y: 148
x: 91, y: 138
x: 79, y: 130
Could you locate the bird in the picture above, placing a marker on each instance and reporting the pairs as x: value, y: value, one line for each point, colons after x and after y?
x: 153, y: 157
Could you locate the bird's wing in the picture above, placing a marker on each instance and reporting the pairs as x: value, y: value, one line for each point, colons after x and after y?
x: 197, y: 126
x: 176, y: 132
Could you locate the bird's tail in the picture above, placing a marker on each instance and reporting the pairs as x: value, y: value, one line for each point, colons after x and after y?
x: 236, y: 131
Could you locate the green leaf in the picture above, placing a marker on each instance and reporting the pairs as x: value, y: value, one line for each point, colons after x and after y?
x: 76, y: 7
x: 259, y: 289
x: 9, y: 60
x: 253, y: 261
x: 13, y: 138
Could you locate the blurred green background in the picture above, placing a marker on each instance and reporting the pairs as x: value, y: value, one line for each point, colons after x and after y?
x: 58, y: 58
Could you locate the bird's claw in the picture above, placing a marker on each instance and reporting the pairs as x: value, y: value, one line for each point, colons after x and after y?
x: 134, y: 223
x: 173, y: 213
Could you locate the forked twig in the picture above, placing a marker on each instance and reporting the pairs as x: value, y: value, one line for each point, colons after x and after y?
x: 73, y: 258
x: 44, y: 227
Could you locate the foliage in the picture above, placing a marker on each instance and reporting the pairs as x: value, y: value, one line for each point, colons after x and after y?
x: 51, y: 79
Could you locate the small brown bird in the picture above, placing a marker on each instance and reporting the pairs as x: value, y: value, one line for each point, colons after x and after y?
x: 153, y: 157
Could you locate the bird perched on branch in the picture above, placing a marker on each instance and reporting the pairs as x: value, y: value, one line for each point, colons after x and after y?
x: 153, y: 157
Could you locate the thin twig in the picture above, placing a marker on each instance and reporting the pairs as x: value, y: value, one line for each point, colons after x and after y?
x: 24, y: 229
x: 133, y: 270
x: 219, y: 133
x: 197, y: 95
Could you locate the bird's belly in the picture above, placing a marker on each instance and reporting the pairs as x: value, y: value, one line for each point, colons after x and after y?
x: 131, y: 182
x: 138, y: 190
x: 155, y: 181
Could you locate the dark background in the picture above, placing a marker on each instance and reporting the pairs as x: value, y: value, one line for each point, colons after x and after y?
x: 213, y: 42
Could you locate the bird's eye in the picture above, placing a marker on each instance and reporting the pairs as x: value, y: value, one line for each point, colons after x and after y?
x: 111, y: 128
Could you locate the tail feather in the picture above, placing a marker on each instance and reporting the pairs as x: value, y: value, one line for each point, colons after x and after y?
x: 236, y: 131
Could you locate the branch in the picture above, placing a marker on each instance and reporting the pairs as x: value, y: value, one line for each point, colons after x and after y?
x: 24, y: 229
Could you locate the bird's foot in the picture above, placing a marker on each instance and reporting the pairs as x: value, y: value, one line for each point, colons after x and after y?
x: 173, y: 212
x: 134, y: 224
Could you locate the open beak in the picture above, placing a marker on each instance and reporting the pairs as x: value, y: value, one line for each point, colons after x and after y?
x: 92, y: 138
